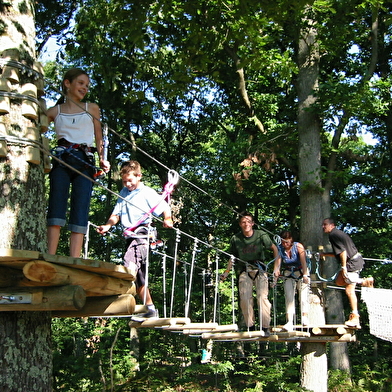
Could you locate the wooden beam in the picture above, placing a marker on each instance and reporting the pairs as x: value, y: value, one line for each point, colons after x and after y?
x: 191, y: 326
x: 251, y: 335
x: 10, y: 277
x: 42, y: 298
x: 97, y: 266
x: 15, y: 258
x: 93, y: 284
x: 160, y: 322
x: 219, y: 328
x: 117, y: 305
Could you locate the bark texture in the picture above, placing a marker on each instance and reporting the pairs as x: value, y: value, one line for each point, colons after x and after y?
x: 25, y: 337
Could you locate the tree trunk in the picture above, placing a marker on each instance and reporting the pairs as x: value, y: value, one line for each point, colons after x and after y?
x: 25, y: 358
x: 314, y: 374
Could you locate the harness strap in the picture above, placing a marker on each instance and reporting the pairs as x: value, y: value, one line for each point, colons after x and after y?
x: 168, y: 189
x: 65, y: 147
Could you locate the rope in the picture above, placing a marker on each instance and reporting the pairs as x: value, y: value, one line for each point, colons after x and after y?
x: 191, y: 278
x: 317, y: 272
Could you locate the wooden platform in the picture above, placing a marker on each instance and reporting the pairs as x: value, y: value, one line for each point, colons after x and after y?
x: 30, y: 281
x: 76, y: 287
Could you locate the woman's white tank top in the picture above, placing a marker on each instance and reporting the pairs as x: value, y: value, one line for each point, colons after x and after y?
x: 76, y: 128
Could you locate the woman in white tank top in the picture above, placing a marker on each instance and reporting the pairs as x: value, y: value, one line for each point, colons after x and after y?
x: 76, y: 124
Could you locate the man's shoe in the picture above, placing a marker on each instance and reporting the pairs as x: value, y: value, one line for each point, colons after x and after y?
x: 251, y: 329
x: 266, y: 332
x: 140, y: 317
x: 368, y: 282
x: 353, y: 321
x: 288, y: 327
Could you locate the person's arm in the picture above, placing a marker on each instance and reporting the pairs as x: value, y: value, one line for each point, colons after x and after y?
x: 343, y: 261
x: 167, y: 219
x: 278, y: 261
x: 277, y: 264
x: 227, y: 270
x: 302, y: 259
x: 96, y: 113
x: 52, y: 113
x: 113, y: 220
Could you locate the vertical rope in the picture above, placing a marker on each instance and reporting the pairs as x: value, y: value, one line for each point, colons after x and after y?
x: 216, y: 286
x: 204, y: 294
x: 191, y: 277
x: 232, y: 289
x: 147, y: 261
x: 174, y: 271
x: 86, y: 240
x: 164, y: 285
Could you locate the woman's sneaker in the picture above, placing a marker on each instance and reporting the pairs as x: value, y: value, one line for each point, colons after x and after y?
x: 353, y: 321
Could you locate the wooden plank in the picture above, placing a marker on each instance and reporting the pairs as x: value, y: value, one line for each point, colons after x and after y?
x: 45, y: 299
x: 15, y: 258
x: 160, y: 322
x: 251, y: 335
x: 118, y: 305
x: 190, y: 326
x: 219, y: 328
x: 96, y: 266
x: 16, y: 254
x: 286, y: 335
x: 44, y: 272
x: 347, y: 338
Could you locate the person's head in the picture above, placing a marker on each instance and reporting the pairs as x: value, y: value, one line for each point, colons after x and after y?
x: 131, y: 174
x: 246, y: 221
x: 328, y: 225
x: 77, y: 81
x: 287, y: 239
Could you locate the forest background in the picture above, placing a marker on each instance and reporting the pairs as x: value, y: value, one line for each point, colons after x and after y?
x: 211, y: 90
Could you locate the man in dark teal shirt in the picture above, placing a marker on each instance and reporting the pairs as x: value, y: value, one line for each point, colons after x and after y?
x: 249, y: 247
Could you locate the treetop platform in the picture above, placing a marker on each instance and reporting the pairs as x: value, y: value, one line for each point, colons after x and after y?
x: 34, y: 281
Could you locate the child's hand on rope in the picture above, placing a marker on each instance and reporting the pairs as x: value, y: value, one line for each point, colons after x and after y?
x: 104, y: 165
x: 103, y: 229
x: 168, y: 222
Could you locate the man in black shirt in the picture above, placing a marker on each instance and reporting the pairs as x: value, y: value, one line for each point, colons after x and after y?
x: 352, y: 263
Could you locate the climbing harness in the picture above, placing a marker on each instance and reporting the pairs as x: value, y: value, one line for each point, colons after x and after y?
x: 168, y: 189
x: 60, y: 150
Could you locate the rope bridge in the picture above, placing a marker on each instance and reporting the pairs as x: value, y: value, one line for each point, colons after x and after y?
x: 379, y: 307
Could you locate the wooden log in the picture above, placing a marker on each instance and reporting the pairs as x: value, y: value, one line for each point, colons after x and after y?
x: 10, y: 277
x: 42, y: 299
x: 117, y: 305
x: 109, y: 269
x: 57, y: 275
